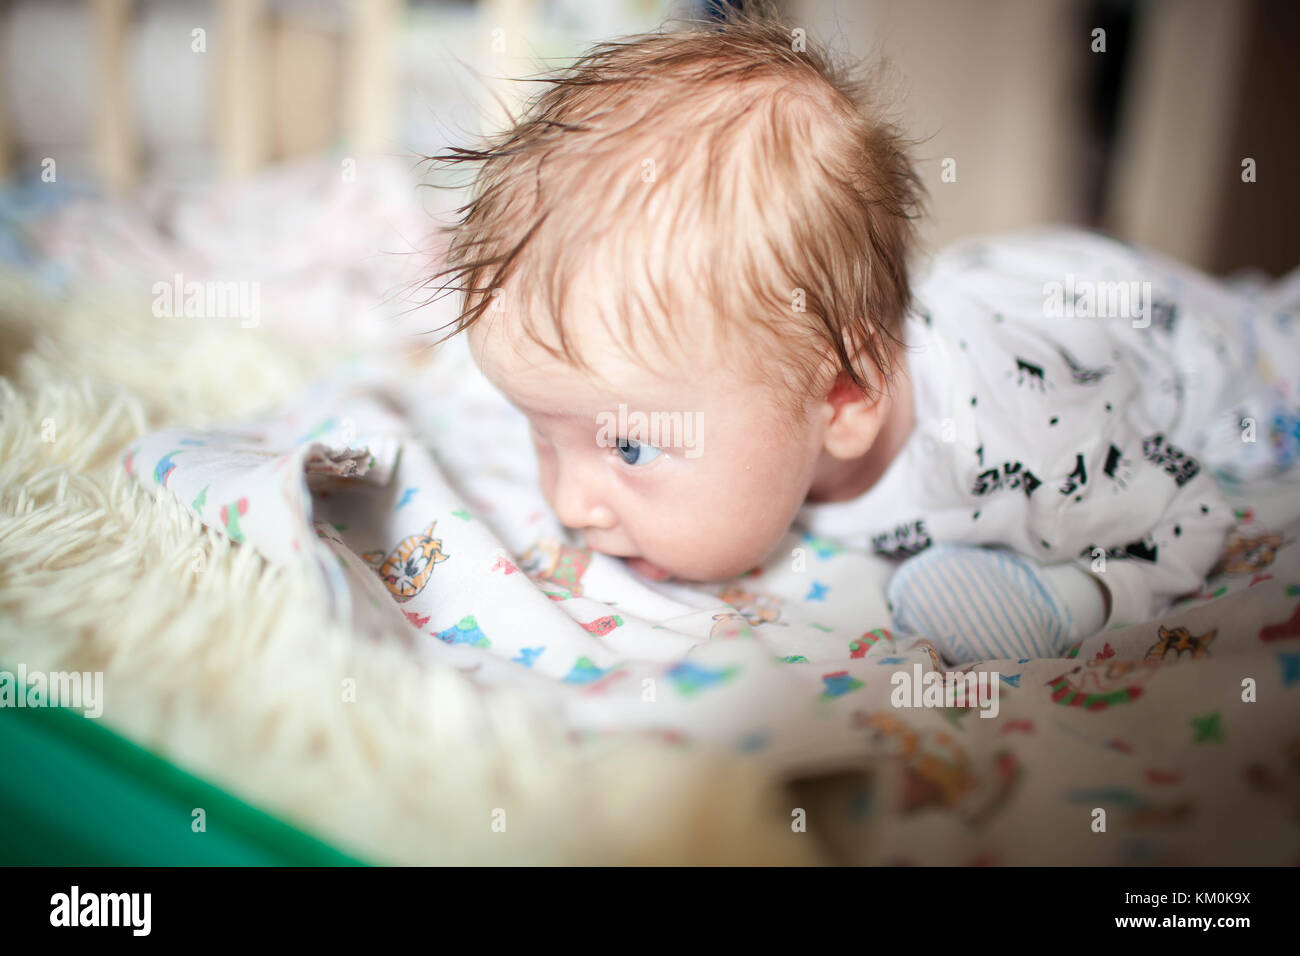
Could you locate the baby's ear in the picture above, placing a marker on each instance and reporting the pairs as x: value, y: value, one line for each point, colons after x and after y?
x: 855, y: 419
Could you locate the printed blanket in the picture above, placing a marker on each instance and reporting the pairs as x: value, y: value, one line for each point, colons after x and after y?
x: 1170, y: 742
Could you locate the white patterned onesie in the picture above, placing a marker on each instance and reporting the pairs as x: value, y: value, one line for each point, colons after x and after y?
x: 1075, y: 399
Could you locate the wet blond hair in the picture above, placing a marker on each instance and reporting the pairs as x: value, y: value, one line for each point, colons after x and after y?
x: 721, y: 172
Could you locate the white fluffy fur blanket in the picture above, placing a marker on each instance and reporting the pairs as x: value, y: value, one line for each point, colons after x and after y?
x: 204, y: 664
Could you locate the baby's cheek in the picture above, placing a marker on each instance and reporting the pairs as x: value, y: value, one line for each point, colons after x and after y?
x: 761, y: 510
x: 718, y: 534
x: 545, y: 470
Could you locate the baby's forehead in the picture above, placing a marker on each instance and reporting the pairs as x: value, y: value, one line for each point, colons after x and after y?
x: 606, y: 370
x: 593, y: 364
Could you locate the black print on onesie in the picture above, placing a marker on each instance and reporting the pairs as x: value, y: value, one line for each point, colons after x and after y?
x: 1164, y: 315
x: 1117, y: 468
x: 1143, y: 550
x: 1029, y: 373
x: 904, y: 541
x: 1077, y: 479
x: 1171, y: 459
x: 1011, y: 475
x: 1081, y: 374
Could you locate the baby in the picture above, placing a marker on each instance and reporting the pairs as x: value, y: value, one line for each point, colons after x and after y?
x: 713, y: 227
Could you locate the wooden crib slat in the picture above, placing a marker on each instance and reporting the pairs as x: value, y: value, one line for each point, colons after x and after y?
x: 243, y: 86
x: 370, y: 77
x: 116, y: 154
x: 6, y: 134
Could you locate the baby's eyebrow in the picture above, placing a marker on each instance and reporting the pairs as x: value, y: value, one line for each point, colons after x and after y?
x: 553, y: 413
x: 594, y: 411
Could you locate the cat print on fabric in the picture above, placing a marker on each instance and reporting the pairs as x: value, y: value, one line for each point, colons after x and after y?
x: 937, y: 773
x: 1249, y: 553
x: 754, y: 607
x: 751, y: 610
x: 551, y: 562
x: 937, y: 770
x: 407, y: 568
x: 1181, y: 641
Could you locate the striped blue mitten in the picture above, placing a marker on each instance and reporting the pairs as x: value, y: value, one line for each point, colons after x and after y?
x: 979, y: 604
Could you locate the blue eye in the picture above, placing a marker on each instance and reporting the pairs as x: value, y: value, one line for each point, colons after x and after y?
x: 635, y: 453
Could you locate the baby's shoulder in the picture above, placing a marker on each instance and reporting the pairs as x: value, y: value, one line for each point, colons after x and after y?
x: 1049, y: 310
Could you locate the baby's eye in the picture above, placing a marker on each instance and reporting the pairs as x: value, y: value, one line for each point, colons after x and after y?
x: 635, y: 453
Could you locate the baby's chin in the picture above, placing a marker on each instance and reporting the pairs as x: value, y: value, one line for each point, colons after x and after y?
x: 647, y: 570
x: 691, y: 572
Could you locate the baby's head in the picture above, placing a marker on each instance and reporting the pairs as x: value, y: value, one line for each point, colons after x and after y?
x: 687, y: 266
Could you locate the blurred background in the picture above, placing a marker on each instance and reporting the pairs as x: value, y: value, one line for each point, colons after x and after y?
x: 1171, y: 123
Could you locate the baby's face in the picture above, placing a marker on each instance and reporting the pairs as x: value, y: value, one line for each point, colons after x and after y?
x: 698, y: 474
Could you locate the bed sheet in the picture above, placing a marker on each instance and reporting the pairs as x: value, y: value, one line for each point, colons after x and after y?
x: 416, y: 506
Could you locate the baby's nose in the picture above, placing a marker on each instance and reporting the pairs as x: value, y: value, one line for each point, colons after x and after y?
x: 578, y: 508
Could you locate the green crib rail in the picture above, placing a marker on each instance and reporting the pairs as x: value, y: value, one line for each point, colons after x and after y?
x: 74, y: 793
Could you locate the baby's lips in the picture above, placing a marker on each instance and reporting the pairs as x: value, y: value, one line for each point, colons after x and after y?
x: 646, y: 569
